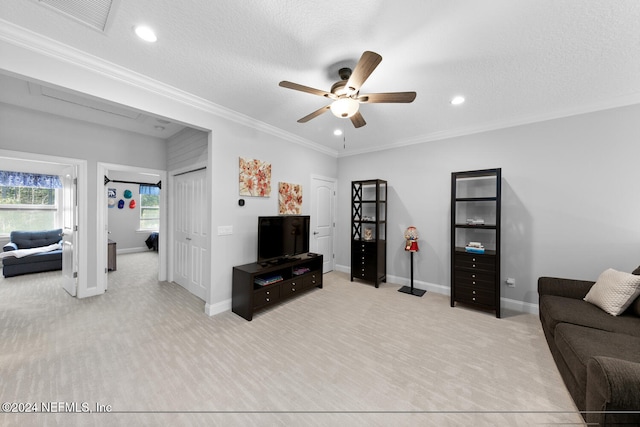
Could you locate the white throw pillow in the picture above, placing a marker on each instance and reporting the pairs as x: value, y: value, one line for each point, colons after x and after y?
x: 614, y: 291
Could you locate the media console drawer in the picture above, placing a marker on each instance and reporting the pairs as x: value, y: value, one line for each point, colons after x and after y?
x: 267, y: 295
x: 291, y: 286
x: 312, y: 279
x: 293, y: 277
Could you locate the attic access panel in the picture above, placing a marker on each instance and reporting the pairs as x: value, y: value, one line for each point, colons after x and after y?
x: 94, y: 13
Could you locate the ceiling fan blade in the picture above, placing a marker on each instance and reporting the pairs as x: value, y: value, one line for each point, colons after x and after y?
x: 358, y: 120
x: 315, y: 114
x: 403, y: 97
x: 302, y: 88
x: 365, y: 66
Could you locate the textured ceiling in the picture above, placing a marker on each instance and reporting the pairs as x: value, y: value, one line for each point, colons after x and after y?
x: 515, y: 61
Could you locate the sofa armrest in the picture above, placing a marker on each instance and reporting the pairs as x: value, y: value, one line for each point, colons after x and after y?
x: 570, y: 288
x: 613, y: 391
x: 10, y: 247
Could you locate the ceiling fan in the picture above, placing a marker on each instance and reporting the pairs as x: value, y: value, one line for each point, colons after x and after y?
x: 346, y: 92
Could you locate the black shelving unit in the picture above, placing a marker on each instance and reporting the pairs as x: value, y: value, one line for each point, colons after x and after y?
x: 476, y: 217
x: 369, y: 231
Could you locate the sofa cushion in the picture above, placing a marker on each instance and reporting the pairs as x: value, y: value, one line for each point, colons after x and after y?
x: 35, y: 239
x: 555, y: 309
x: 614, y: 291
x: 34, y: 258
x: 578, y: 344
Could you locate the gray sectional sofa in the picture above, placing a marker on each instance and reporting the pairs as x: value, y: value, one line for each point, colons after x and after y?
x: 597, y: 354
x: 45, y: 261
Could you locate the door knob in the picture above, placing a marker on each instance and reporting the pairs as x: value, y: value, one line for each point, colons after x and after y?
x: 315, y: 232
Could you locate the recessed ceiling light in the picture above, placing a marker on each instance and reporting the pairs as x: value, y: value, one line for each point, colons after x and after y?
x: 337, y: 132
x: 457, y: 100
x: 146, y: 33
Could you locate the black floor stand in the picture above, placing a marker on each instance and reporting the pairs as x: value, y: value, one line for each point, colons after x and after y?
x: 411, y: 290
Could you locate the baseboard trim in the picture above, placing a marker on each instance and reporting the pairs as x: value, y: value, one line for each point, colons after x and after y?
x: 217, y: 308
x: 521, y: 306
x: 132, y: 250
x: 418, y: 284
x: 509, y: 304
x: 342, y: 268
x: 90, y: 292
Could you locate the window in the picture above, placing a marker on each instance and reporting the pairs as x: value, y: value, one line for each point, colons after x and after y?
x: 27, y: 208
x: 149, y: 208
x: 28, y: 201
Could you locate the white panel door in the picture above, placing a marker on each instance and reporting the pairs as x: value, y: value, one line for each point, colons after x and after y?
x: 69, y: 228
x: 323, y: 196
x: 190, y: 249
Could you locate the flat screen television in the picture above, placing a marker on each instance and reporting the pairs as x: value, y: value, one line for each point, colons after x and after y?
x: 282, y: 237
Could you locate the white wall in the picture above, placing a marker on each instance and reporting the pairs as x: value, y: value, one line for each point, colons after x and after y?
x: 34, y: 132
x: 570, y: 198
x: 289, y: 163
x: 186, y: 148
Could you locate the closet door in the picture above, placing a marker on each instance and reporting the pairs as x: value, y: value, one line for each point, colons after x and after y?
x: 191, y: 251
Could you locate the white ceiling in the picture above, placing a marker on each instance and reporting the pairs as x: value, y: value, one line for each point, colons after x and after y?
x: 515, y: 61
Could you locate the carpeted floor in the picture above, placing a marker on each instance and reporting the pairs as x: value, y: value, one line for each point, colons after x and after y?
x: 345, y: 355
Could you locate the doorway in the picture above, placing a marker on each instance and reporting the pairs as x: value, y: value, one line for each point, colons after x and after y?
x: 131, y: 208
x: 323, y: 206
x: 72, y: 209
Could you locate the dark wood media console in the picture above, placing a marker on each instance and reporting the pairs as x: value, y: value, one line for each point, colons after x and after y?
x: 257, y: 286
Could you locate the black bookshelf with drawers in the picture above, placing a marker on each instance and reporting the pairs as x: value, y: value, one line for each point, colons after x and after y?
x: 475, y: 238
x: 369, y: 231
x: 261, y: 285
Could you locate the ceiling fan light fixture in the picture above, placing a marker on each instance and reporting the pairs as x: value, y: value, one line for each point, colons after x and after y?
x: 344, y: 107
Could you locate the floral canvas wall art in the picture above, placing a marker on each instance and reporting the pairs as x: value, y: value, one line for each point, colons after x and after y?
x: 255, y: 178
x: 290, y: 198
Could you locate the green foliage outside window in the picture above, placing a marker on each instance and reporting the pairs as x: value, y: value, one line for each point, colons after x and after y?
x: 27, y: 196
x: 26, y: 208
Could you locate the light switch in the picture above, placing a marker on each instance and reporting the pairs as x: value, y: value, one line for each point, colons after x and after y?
x: 225, y: 230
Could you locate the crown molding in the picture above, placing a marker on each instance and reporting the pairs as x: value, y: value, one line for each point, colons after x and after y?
x: 32, y: 41
x: 602, y: 105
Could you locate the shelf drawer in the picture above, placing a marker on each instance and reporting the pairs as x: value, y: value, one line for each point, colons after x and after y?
x: 480, y: 284
x: 475, y: 261
x: 268, y: 295
x: 471, y: 277
x: 291, y: 287
x: 312, y: 279
x: 368, y: 274
x: 475, y: 295
x: 363, y: 260
x: 365, y: 249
